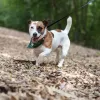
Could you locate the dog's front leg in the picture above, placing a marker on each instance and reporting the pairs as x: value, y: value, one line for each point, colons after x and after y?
x: 36, y: 54
x: 46, y: 52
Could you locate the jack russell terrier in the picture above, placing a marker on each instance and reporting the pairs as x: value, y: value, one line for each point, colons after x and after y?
x: 44, y: 41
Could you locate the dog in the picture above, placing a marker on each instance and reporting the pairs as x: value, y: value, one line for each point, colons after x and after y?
x: 54, y: 40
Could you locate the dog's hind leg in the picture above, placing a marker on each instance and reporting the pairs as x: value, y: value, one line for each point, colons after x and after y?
x: 58, y: 55
x: 63, y: 55
x: 64, y: 51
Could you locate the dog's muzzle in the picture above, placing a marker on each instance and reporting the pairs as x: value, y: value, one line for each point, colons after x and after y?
x: 34, y: 35
x: 35, y: 38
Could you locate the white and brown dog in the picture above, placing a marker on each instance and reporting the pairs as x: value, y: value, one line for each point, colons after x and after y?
x: 54, y: 40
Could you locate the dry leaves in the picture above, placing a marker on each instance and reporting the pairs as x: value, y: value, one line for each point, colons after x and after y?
x: 20, y: 79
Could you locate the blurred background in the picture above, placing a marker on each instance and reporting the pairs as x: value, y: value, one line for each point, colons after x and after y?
x: 86, y: 22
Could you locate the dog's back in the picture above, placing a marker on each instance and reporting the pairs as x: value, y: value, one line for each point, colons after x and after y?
x: 61, y: 35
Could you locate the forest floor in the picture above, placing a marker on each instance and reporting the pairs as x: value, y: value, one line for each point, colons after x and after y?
x: 20, y: 79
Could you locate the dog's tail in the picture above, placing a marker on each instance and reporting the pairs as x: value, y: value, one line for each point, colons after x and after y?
x: 69, y: 23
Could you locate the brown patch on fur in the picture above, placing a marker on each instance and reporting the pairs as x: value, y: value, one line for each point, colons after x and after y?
x: 58, y: 30
x: 52, y: 34
x: 29, y: 21
x: 48, y: 40
x: 40, y: 24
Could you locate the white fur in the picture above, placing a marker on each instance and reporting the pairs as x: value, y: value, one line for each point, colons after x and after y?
x: 60, y: 39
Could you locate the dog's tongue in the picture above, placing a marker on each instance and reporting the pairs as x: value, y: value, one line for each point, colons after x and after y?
x: 34, y: 39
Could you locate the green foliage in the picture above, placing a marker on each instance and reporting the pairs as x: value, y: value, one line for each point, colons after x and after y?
x: 86, y: 22
x: 93, y: 36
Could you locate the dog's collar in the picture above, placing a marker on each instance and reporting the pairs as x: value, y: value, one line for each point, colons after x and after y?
x: 36, y: 44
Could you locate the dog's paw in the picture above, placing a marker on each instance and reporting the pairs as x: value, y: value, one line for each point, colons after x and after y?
x: 37, y: 64
x: 59, y: 65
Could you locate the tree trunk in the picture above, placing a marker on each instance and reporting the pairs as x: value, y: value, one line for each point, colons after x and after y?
x: 77, y: 25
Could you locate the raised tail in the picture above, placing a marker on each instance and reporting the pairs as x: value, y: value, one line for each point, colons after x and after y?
x: 69, y: 23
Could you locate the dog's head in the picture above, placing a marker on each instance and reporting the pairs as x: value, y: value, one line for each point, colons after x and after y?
x: 37, y: 29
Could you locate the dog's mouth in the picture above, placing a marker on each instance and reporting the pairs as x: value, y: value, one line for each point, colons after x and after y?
x: 35, y: 39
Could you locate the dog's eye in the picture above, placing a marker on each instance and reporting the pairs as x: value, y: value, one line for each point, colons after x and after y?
x: 32, y: 27
x: 39, y: 29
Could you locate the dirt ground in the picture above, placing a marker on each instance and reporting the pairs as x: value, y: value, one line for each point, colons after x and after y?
x: 20, y: 79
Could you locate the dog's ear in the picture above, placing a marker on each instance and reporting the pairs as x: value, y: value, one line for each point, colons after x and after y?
x: 29, y: 21
x: 45, y: 22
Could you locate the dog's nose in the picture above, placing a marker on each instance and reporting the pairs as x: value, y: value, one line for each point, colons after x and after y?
x: 35, y: 35
x: 31, y: 27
